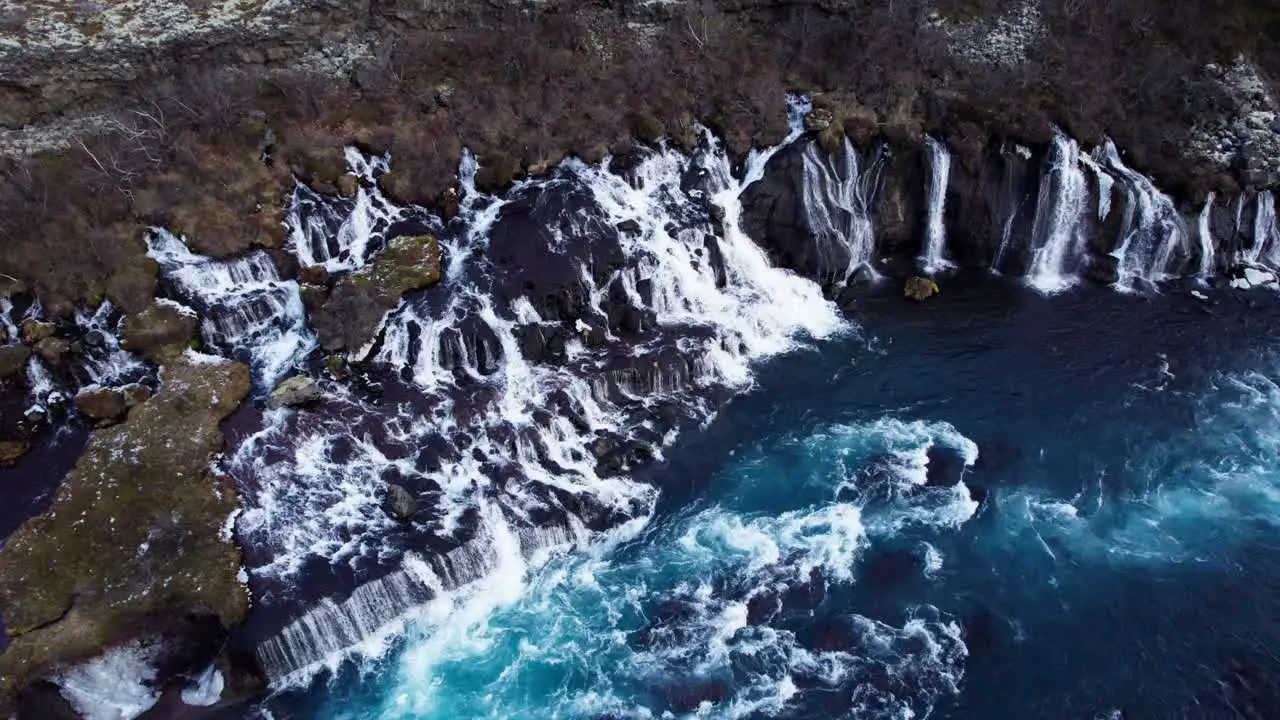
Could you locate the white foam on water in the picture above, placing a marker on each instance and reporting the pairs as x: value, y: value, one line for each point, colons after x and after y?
x: 566, y: 645
x: 244, y: 305
x: 114, y: 686
x: 932, y: 257
x: 312, y: 481
x: 107, y: 364
x: 827, y: 539
x: 836, y: 198
x: 1196, y: 492
x: 206, y: 690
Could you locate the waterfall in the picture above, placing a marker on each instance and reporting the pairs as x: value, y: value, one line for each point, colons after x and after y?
x: 932, y: 259
x: 1266, y: 245
x: 1057, y: 235
x: 244, y: 306
x: 377, y: 611
x: 1152, y: 234
x: 1205, y: 235
x: 339, y: 234
x: 553, y: 358
x: 836, y: 203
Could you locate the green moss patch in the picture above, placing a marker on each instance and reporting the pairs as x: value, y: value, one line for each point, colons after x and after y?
x: 135, y: 532
x: 350, y: 315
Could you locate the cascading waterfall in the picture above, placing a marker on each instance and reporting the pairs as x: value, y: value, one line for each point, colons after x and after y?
x: 244, y: 305
x: 932, y: 259
x: 1057, y: 234
x: 836, y: 202
x: 1153, y: 235
x: 360, y: 222
x: 7, y: 323
x: 1205, y: 235
x: 1266, y: 236
x: 524, y: 445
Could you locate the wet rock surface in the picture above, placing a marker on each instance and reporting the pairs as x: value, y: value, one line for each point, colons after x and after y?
x: 296, y: 391
x: 161, y: 326
x: 141, y: 511
x: 350, y: 316
x: 399, y: 503
x: 101, y: 404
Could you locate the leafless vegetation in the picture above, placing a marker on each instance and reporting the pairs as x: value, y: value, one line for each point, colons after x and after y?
x: 522, y: 90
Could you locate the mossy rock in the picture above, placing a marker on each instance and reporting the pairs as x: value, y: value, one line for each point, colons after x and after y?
x: 12, y: 450
x: 101, y: 404
x: 33, y: 331
x: 135, y: 532
x: 13, y: 359
x: 355, y: 306
x: 158, y: 330
x: 497, y: 170
x: 920, y: 288
x: 53, y: 350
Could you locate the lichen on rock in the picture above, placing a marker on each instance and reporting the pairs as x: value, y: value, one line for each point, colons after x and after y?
x: 350, y: 316
x: 134, y: 532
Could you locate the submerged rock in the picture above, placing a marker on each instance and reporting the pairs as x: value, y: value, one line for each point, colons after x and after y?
x: 350, y: 316
x: 135, y: 533
x: 920, y: 288
x: 103, y: 404
x: 11, y: 450
x: 13, y: 359
x: 159, y: 328
x: 297, y: 390
x: 399, y: 503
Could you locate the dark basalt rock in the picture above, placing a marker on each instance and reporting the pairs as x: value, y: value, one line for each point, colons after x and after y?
x: 945, y: 468
x: 399, y: 503
x: 1102, y: 269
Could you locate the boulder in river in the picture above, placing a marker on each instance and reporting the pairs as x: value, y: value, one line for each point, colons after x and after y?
x: 920, y: 288
x: 53, y: 350
x: 101, y: 404
x: 135, y: 394
x: 350, y: 315
x: 33, y: 331
x: 399, y: 503
x: 13, y: 359
x: 159, y: 328
x: 297, y: 390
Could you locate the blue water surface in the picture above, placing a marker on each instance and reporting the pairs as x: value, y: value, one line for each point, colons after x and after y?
x: 993, y: 504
